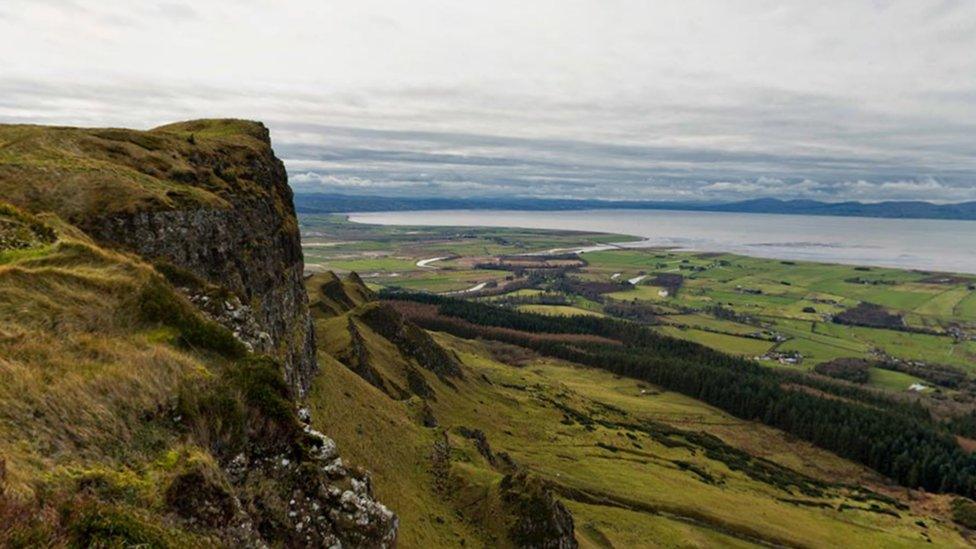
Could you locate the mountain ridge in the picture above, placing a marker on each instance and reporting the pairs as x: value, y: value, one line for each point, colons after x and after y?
x: 312, y: 203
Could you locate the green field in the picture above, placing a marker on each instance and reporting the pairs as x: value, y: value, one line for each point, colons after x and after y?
x: 558, y: 310
x: 532, y: 409
x: 723, y: 342
x: 790, y: 303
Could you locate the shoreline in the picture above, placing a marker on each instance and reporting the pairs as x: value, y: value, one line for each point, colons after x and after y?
x: 863, y: 253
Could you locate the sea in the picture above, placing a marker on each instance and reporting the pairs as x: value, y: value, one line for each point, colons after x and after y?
x: 920, y: 244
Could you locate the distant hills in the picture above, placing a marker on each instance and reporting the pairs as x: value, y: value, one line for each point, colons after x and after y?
x: 339, y: 203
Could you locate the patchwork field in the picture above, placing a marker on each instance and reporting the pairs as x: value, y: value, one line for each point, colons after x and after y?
x: 630, y: 461
x: 778, y: 310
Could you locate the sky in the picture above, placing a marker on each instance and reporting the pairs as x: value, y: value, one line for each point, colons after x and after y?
x: 614, y: 99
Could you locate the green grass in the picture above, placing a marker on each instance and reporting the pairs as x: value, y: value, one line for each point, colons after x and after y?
x: 527, y: 292
x: 901, y: 297
x: 893, y: 381
x: 700, y: 320
x: 445, y: 281
x: 574, y: 427
x: 640, y: 293
x: 911, y: 346
x: 731, y: 344
x: 788, y: 289
x: 557, y: 310
x: 644, y: 472
x: 966, y: 307
x: 364, y: 265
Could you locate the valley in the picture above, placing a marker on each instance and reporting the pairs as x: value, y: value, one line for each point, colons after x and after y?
x: 631, y: 462
x: 628, y: 458
x: 778, y: 311
x: 487, y: 275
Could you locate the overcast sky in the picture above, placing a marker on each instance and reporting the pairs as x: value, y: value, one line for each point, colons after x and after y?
x: 680, y: 100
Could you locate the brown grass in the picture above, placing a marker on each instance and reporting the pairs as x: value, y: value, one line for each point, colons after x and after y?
x: 80, y: 173
x: 81, y: 373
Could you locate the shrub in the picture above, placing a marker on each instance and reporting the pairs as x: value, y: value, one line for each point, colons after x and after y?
x: 964, y: 512
x: 849, y: 369
x: 198, y: 492
x: 95, y: 524
x: 248, y: 406
x: 159, y: 303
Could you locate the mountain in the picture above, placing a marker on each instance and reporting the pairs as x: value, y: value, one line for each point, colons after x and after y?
x: 171, y: 378
x: 155, y: 340
x: 897, y: 209
x: 311, y: 203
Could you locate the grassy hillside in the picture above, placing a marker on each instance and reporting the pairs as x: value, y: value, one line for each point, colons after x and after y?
x: 90, y: 387
x: 635, y: 465
x: 80, y: 173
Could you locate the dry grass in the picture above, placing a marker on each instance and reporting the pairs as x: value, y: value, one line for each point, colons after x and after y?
x: 99, y: 359
x: 81, y: 173
x: 82, y: 372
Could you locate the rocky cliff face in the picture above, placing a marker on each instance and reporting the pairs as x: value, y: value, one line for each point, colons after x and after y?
x: 207, y: 196
x: 170, y: 402
x: 248, y: 250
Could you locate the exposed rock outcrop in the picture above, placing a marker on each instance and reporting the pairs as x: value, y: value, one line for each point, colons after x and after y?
x: 326, y: 504
x: 411, y: 340
x: 541, y: 520
x: 480, y: 442
x: 249, y: 250
x: 209, y: 196
x: 333, y: 296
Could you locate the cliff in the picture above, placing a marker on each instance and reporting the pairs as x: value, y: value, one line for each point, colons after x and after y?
x: 207, y: 196
x: 155, y: 340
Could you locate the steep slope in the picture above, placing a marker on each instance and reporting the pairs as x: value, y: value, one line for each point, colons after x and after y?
x: 208, y: 196
x: 484, y: 457
x: 373, y: 340
x: 448, y: 490
x: 154, y: 338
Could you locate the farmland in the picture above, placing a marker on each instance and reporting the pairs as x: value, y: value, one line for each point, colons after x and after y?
x: 781, y: 313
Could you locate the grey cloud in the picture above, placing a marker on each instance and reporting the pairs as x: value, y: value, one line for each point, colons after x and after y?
x: 532, y: 167
x: 371, y: 100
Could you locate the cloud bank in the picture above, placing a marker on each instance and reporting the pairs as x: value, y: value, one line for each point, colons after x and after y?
x: 581, y: 99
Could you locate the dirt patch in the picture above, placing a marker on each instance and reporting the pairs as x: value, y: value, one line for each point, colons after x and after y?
x: 967, y: 444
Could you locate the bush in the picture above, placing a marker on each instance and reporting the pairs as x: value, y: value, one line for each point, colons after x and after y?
x: 159, y: 303
x: 964, y: 512
x: 247, y: 407
x: 107, y: 526
x: 198, y: 491
x: 849, y: 369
